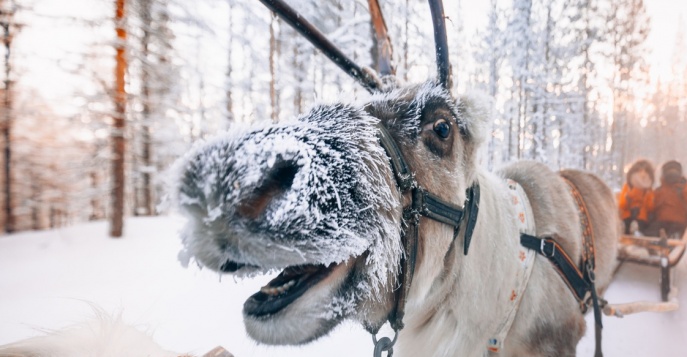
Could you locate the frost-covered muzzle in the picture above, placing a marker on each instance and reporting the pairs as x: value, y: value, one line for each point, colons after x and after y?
x: 304, y: 196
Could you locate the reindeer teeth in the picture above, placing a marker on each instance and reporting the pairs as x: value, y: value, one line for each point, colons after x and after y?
x: 286, y: 288
x: 273, y: 291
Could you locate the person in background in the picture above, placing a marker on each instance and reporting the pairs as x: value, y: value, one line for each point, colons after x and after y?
x: 670, y: 202
x: 636, y: 198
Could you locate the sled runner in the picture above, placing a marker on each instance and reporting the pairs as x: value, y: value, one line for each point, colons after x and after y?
x: 661, y: 252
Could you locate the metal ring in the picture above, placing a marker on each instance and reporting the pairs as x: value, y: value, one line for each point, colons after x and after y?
x: 393, y: 342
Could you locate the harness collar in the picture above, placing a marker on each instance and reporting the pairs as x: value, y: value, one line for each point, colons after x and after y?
x: 580, y: 281
x: 520, y: 275
x: 423, y: 203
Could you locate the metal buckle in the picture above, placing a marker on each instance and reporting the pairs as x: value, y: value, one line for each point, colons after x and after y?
x: 590, y: 271
x: 543, y: 245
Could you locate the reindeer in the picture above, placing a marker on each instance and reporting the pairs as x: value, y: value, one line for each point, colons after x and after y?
x: 377, y: 210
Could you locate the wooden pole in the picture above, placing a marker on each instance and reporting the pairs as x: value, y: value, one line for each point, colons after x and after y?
x: 620, y: 310
x: 119, y: 123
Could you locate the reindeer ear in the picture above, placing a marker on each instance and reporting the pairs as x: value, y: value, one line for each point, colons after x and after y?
x: 476, y: 110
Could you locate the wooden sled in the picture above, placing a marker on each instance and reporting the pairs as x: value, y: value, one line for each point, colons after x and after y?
x: 661, y: 252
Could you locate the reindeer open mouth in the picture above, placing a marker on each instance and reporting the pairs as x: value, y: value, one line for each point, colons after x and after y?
x: 288, y: 286
x: 278, y: 293
x: 312, y: 198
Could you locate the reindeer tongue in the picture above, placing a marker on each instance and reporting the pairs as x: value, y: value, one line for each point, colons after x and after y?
x: 289, y: 285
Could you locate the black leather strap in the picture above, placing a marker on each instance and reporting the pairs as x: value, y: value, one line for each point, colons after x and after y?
x: 472, y: 207
x: 423, y: 203
x: 404, y: 179
x: 582, y: 284
x: 433, y: 207
x: 409, y: 240
x: 588, y: 260
x: 572, y: 276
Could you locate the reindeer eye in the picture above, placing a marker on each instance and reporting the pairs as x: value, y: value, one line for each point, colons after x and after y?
x: 442, y: 128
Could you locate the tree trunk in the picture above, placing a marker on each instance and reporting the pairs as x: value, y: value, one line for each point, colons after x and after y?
x: 7, y: 23
x: 273, y: 75
x: 511, y: 128
x: 298, y: 95
x: 405, y: 41
x: 96, y: 208
x: 145, y: 207
x: 230, y: 84
x: 35, y: 203
x: 119, y: 125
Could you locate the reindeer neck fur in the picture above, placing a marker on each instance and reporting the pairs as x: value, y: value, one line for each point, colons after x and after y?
x: 452, y: 311
x: 458, y: 303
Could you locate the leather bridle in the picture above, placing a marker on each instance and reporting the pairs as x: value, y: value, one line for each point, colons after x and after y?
x: 423, y: 203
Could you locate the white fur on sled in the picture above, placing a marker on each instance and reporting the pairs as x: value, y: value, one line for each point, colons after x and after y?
x: 102, y: 336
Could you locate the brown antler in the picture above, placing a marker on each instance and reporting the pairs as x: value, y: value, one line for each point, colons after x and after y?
x: 443, y: 65
x: 318, y: 39
x: 383, y: 46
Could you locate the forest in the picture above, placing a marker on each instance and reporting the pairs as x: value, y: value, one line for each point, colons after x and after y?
x: 99, y: 98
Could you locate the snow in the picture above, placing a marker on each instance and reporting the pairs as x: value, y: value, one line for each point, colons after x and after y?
x: 50, y: 279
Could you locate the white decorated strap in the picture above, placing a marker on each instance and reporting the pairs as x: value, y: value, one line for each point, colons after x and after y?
x: 526, y: 257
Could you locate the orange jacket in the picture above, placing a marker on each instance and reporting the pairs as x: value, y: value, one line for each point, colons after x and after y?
x: 670, y: 203
x: 635, y: 202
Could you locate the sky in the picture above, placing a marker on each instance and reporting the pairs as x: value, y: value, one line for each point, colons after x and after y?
x: 48, y: 52
x: 666, y: 17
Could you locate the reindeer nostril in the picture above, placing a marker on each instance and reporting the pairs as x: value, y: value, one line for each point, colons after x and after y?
x: 277, y: 181
x: 284, y: 174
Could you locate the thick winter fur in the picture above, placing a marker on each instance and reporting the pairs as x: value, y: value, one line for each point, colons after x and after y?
x: 456, y: 302
x: 102, y: 336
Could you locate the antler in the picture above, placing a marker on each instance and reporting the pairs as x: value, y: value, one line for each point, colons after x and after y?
x: 443, y: 65
x: 318, y: 39
x: 383, y: 42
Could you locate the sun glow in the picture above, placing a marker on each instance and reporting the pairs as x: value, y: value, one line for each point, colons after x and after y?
x: 667, y: 19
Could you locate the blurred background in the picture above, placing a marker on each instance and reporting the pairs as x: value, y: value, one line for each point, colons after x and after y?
x: 99, y: 97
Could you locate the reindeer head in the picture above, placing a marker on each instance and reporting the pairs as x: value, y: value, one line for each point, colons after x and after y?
x: 316, y: 198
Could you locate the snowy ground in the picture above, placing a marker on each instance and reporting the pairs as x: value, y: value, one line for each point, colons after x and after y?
x: 49, y: 279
